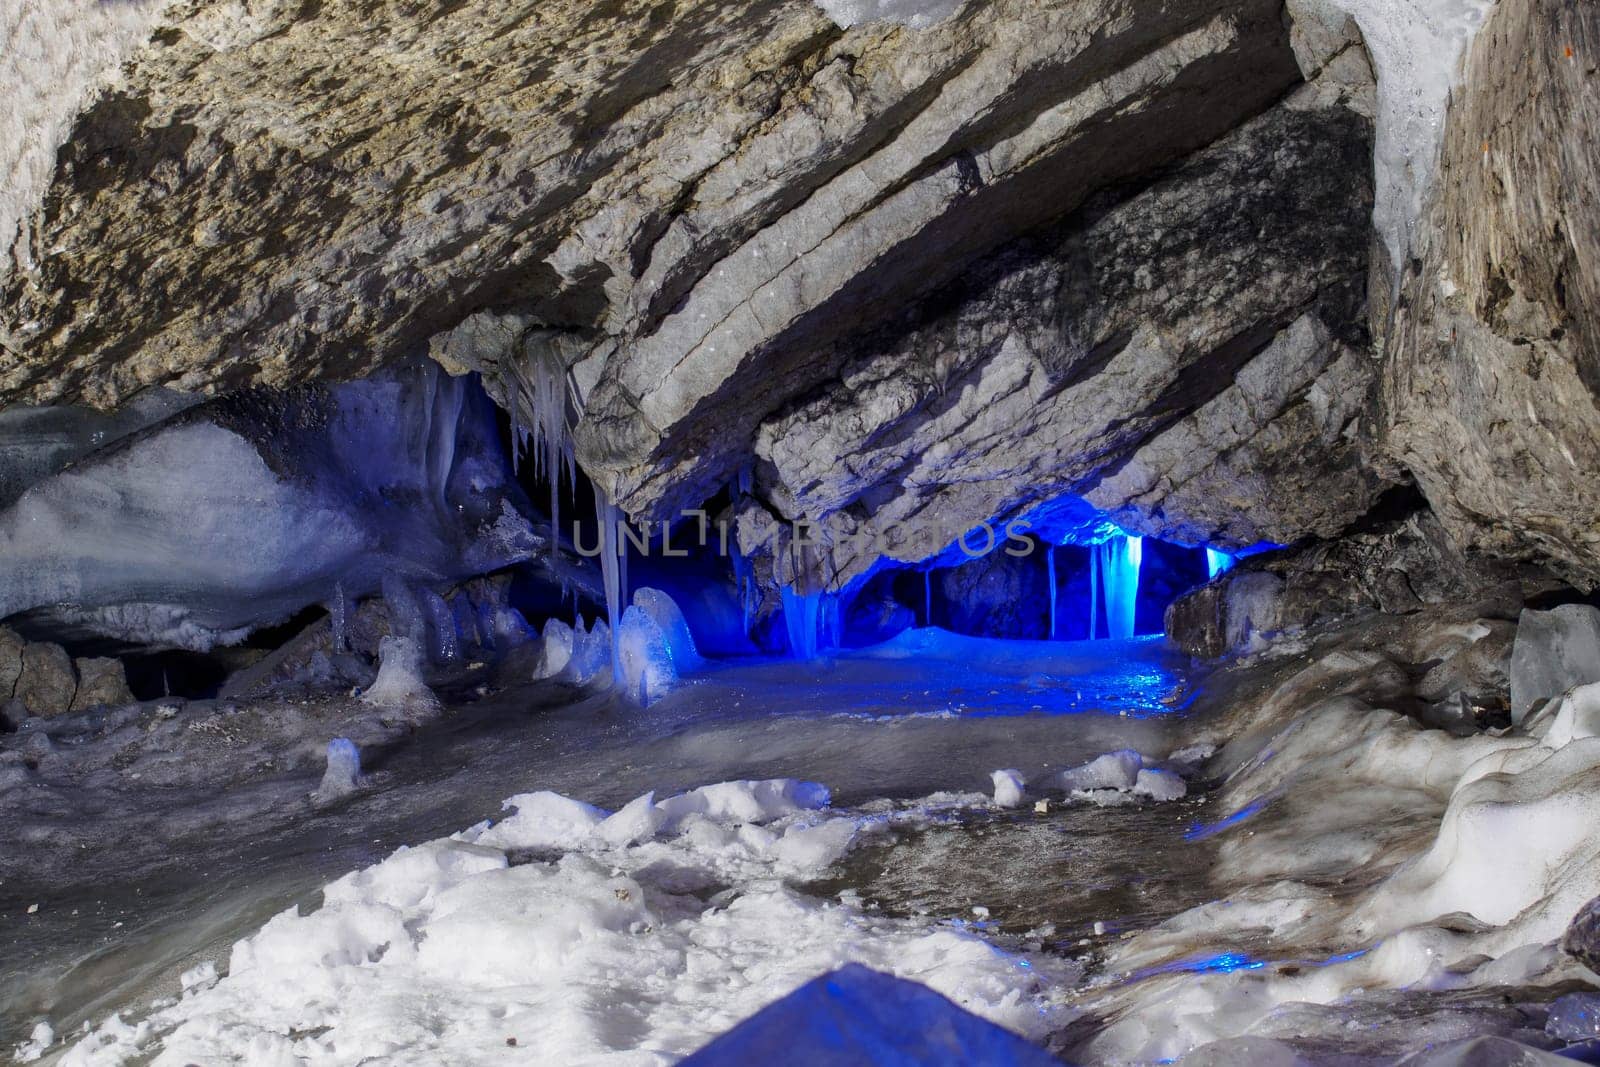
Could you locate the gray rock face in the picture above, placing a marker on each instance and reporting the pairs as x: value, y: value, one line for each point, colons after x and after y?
x: 1554, y: 651
x: 1395, y: 567
x: 1582, y: 939
x: 1183, y: 357
x: 1494, y: 356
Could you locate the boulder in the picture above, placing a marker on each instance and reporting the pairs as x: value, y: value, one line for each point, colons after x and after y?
x: 1582, y: 939
x: 102, y: 682
x: 1553, y: 651
x: 11, y: 646
x: 47, y: 683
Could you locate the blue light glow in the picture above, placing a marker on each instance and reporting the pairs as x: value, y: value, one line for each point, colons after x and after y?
x: 1201, y: 831
x: 1217, y: 562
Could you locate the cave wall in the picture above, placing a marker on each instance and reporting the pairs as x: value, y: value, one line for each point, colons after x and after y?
x: 1030, y: 254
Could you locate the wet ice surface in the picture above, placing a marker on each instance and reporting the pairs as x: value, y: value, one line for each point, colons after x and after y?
x: 1355, y: 888
x: 137, y: 881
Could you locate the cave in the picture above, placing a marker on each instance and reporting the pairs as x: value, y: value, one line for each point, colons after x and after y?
x: 861, y: 532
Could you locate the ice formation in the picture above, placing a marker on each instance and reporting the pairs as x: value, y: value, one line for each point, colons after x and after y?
x: 448, y: 953
x: 1417, y: 48
x: 1118, y: 564
x: 917, y: 14
x: 343, y: 774
x: 664, y: 611
x: 1217, y: 562
x: 399, y: 685
x: 223, y: 518
x: 1009, y: 788
x: 647, y: 668
x: 55, y: 56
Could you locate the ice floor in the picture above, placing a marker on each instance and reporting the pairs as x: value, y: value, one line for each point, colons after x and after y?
x: 1340, y: 885
x: 143, y: 882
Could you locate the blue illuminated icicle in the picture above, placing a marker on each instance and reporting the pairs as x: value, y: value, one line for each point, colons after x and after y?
x: 1217, y: 562
x: 1050, y: 565
x: 1119, y: 560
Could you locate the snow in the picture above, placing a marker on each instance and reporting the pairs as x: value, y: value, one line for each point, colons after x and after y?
x: 399, y: 686
x: 39, y: 1041
x: 629, y: 947
x: 1416, y: 48
x: 1009, y: 789
x: 55, y: 57
x: 917, y: 14
x: 1114, y: 770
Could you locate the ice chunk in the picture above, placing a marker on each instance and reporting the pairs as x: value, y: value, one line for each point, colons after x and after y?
x: 544, y: 820
x: 1008, y: 788
x: 1159, y: 785
x: 648, y: 671
x: 399, y: 684
x: 1484, y: 1052
x: 1554, y: 651
x: 917, y: 14
x: 343, y: 774
x: 1574, y: 1017
x: 1577, y: 717
x: 857, y: 1016
x: 556, y: 652
x: 1114, y: 770
x: 664, y: 611
x: 591, y: 654
x: 199, y: 977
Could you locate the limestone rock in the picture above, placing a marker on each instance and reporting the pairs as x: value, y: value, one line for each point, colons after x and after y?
x: 1186, y: 357
x: 1494, y: 356
x: 102, y: 681
x: 1582, y: 939
x: 11, y: 646
x: 1394, y: 566
x: 47, y: 683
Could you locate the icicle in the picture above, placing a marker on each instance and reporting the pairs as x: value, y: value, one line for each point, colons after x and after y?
x: 405, y: 615
x: 1050, y: 565
x: 800, y: 618
x: 1120, y: 558
x: 1217, y: 562
x: 607, y: 514
x: 446, y: 646
x: 339, y: 618
x: 927, y: 597
x: 1094, y: 589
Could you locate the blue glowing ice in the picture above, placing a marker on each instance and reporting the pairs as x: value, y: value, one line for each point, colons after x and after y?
x: 1116, y: 565
x: 1217, y: 562
x: 859, y: 1016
